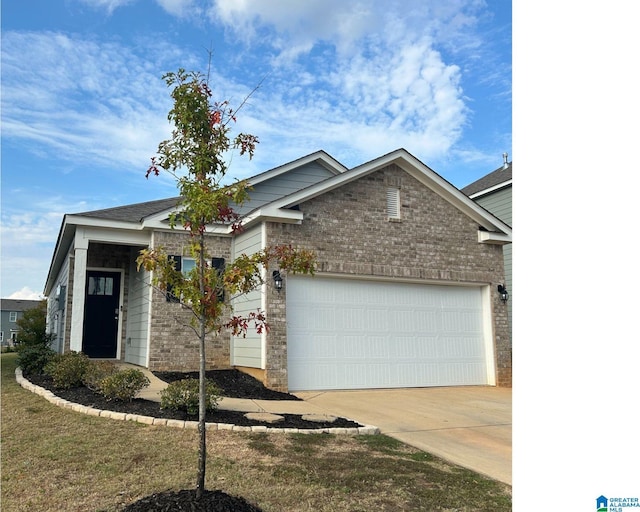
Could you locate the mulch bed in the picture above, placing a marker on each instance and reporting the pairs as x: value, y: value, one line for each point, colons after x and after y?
x: 232, y: 383
x: 211, y: 501
x: 84, y: 396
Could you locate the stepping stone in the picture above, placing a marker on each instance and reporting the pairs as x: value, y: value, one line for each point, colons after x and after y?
x: 264, y: 416
x: 320, y: 418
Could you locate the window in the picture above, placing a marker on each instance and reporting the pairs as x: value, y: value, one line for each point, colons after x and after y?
x: 100, y: 286
x: 393, y: 203
x: 185, y: 265
x: 13, y: 316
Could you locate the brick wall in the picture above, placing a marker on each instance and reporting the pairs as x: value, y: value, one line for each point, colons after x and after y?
x: 349, y: 230
x: 174, y: 345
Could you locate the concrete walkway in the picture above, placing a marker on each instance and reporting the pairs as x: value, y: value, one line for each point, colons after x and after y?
x: 466, y: 425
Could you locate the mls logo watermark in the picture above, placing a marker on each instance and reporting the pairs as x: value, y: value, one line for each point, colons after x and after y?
x: 604, y: 504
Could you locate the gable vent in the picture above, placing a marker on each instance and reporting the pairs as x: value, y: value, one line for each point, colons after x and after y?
x: 393, y: 203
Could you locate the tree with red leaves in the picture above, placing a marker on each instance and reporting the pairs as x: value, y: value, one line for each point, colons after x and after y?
x: 195, y: 156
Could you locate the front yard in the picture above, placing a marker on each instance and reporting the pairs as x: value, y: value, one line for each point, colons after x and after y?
x: 54, y: 459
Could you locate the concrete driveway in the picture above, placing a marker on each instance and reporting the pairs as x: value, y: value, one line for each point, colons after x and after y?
x: 469, y: 426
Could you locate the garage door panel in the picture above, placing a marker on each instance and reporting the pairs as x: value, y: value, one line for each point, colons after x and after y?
x: 349, y: 334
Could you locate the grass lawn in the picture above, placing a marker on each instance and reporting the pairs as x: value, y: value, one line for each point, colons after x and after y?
x: 54, y: 459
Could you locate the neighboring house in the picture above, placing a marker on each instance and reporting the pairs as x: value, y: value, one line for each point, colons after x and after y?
x: 493, y: 192
x: 404, y: 294
x: 12, y: 311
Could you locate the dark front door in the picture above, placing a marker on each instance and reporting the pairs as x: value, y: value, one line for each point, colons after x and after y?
x: 101, y: 312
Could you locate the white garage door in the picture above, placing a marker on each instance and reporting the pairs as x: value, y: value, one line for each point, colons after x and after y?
x: 348, y: 334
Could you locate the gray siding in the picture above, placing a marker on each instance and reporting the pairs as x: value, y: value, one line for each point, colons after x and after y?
x: 247, y: 351
x: 283, y: 185
x: 500, y: 204
x: 137, y: 330
x: 57, y: 311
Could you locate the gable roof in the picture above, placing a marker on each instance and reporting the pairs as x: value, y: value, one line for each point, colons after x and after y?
x: 495, y: 180
x: 281, y: 209
x: 132, y: 212
x: 18, y: 304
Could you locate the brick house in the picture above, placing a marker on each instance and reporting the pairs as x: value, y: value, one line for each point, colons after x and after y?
x: 405, y: 293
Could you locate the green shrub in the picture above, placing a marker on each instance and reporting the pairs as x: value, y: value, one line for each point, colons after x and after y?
x: 67, y: 370
x: 123, y: 385
x: 184, y: 395
x: 96, y: 371
x: 33, y: 358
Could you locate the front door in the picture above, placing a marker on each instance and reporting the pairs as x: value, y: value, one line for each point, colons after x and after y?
x: 101, y: 314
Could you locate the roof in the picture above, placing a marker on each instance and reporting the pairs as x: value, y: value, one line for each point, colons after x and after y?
x: 499, y: 178
x: 133, y: 212
x: 132, y: 224
x: 18, y: 304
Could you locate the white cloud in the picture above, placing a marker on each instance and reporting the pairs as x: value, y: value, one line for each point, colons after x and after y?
x: 93, y: 102
x: 26, y: 293
x: 108, y: 5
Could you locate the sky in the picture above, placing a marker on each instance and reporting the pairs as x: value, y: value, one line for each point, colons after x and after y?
x: 84, y: 105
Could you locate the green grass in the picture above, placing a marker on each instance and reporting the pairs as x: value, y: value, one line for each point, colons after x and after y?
x: 54, y: 459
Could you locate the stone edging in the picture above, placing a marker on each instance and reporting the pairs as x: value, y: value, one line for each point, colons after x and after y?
x: 149, y: 420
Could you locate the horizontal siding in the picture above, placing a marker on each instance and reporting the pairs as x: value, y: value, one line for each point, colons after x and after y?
x: 247, y: 351
x: 498, y: 203
x: 137, y: 317
x: 285, y: 184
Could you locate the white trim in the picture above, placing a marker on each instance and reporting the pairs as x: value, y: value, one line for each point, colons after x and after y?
x: 485, y: 191
x: 489, y: 342
x: 489, y: 237
x: 263, y: 300
x: 77, y: 303
x: 326, y: 160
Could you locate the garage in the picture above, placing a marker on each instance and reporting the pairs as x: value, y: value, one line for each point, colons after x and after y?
x: 359, y: 334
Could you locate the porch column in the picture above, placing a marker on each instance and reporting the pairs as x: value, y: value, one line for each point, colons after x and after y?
x: 79, y: 284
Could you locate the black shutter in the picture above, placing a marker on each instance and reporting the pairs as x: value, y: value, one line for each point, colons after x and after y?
x: 178, y: 266
x: 218, y: 264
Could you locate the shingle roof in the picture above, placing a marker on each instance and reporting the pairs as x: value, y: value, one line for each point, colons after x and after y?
x: 132, y: 212
x: 500, y: 175
x: 18, y: 304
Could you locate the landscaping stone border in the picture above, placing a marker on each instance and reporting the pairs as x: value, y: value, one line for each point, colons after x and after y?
x: 149, y: 420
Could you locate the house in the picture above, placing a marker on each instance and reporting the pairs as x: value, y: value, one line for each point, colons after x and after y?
x: 405, y: 293
x: 493, y: 192
x: 12, y: 311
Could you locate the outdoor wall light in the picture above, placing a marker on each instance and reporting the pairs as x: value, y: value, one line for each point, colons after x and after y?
x: 277, y: 280
x: 504, y: 294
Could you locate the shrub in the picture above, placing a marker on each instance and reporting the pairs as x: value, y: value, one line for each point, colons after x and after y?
x: 33, y: 358
x: 123, y: 384
x: 67, y: 370
x: 96, y: 371
x: 185, y: 395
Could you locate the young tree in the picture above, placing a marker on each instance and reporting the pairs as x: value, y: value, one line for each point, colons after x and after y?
x: 32, y: 326
x: 195, y: 156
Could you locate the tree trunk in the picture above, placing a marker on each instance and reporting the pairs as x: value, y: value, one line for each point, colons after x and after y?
x: 202, y: 409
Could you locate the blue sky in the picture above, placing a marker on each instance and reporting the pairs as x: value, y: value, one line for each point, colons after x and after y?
x: 84, y: 106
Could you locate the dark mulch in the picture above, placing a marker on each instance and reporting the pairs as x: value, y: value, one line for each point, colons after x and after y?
x: 211, y: 501
x: 233, y: 383
x: 141, y: 407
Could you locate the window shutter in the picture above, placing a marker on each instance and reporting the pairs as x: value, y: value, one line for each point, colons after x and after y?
x: 178, y: 266
x: 393, y: 203
x: 218, y: 264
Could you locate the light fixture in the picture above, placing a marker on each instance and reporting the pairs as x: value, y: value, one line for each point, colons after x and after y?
x: 277, y: 280
x: 504, y: 294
